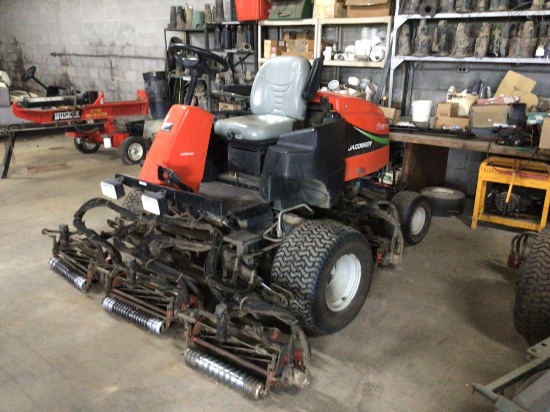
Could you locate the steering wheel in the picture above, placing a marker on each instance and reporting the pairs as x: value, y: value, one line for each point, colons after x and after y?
x: 203, y: 62
x: 199, y: 63
x: 29, y: 74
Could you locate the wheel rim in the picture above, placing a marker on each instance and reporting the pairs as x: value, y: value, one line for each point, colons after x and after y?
x: 418, y: 221
x: 135, y: 152
x: 343, y: 283
x: 87, y: 145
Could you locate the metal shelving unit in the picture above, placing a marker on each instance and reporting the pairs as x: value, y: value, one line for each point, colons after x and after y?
x: 401, y: 19
x: 205, y: 31
x: 281, y: 25
x: 318, y: 25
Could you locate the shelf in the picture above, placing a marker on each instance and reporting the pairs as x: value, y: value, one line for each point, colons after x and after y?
x: 262, y: 60
x: 209, y: 26
x: 402, y: 18
x: 476, y: 17
x: 343, y: 63
x: 478, y: 14
x: 397, y: 60
x: 232, y: 51
x: 356, y: 20
x: 198, y: 30
x: 280, y: 23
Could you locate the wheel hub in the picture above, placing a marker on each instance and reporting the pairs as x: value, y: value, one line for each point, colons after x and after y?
x: 135, y: 152
x: 343, y: 283
x: 418, y: 221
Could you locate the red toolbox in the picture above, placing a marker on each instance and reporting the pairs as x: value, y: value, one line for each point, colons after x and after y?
x: 252, y: 9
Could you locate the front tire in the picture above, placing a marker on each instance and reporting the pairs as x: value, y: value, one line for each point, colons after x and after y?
x: 84, y: 146
x: 415, y: 215
x: 532, y: 303
x: 327, y: 266
x: 132, y: 150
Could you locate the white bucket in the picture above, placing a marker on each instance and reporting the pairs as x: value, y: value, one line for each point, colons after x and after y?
x: 421, y: 110
x: 107, y: 142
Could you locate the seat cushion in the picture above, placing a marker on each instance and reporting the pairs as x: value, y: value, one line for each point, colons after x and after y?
x: 253, y: 127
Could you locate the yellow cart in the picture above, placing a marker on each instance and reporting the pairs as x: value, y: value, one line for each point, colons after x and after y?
x: 512, y: 172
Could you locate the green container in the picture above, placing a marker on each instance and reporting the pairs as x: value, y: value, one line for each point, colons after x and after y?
x: 291, y: 10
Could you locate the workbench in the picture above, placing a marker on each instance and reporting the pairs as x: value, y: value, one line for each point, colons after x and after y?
x: 425, y: 157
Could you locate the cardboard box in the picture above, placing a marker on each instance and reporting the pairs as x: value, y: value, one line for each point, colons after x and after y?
x: 488, y: 116
x: 447, y: 110
x: 307, y: 55
x: 465, y: 101
x: 544, y: 142
x: 273, y: 48
x: 300, y: 45
x: 289, y: 35
x: 328, y: 9
x: 515, y: 84
x: 393, y: 115
x: 230, y: 106
x: 369, y: 8
x: 306, y: 34
x: 446, y: 121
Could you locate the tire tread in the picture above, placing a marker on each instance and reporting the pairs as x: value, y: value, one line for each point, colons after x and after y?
x: 532, y: 303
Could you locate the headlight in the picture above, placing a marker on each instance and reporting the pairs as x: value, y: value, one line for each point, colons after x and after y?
x: 113, y: 188
x: 155, y: 202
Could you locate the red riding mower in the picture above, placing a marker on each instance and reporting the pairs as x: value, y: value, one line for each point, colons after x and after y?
x: 92, y: 119
x: 250, y: 231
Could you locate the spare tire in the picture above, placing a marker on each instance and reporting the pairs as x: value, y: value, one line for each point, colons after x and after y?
x: 445, y: 201
x: 532, y: 304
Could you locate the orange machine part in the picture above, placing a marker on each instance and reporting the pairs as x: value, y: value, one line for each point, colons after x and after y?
x: 180, y: 145
x: 367, y: 117
x: 367, y: 163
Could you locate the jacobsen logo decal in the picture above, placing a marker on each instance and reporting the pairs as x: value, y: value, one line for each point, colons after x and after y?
x: 359, y: 146
x: 68, y: 115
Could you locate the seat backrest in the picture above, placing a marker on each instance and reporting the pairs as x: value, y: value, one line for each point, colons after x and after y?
x: 278, y: 87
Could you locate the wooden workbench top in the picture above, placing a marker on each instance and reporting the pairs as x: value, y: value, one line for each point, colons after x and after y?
x: 476, y: 145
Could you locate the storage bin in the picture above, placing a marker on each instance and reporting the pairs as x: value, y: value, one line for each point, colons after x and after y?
x: 252, y: 9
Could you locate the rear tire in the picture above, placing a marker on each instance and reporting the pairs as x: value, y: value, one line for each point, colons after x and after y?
x: 327, y: 266
x: 415, y: 215
x: 85, y: 146
x: 132, y: 150
x: 532, y: 304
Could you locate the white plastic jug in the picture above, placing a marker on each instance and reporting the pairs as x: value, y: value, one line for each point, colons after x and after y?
x: 421, y: 110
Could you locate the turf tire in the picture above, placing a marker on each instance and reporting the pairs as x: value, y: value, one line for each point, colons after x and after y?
x: 303, y: 265
x: 532, y: 303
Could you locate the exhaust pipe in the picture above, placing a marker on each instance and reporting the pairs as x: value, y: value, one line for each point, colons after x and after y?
x: 224, y: 373
x: 134, y: 315
x: 60, y: 268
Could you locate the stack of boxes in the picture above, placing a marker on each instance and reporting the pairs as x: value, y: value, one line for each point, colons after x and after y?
x: 300, y: 43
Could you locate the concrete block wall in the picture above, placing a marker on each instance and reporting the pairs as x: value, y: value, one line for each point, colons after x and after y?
x: 98, y: 44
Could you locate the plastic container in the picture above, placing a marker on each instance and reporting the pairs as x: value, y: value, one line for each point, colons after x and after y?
x: 252, y: 9
x: 421, y: 110
x: 157, y: 91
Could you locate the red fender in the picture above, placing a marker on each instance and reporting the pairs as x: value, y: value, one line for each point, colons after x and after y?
x: 180, y: 145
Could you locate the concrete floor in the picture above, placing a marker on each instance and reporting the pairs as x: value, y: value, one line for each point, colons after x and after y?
x: 427, y: 331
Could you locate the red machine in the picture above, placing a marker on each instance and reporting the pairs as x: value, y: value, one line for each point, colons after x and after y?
x: 249, y: 231
x: 93, y: 120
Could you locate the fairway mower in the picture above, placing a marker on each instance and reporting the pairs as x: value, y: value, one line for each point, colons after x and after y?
x: 250, y: 232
